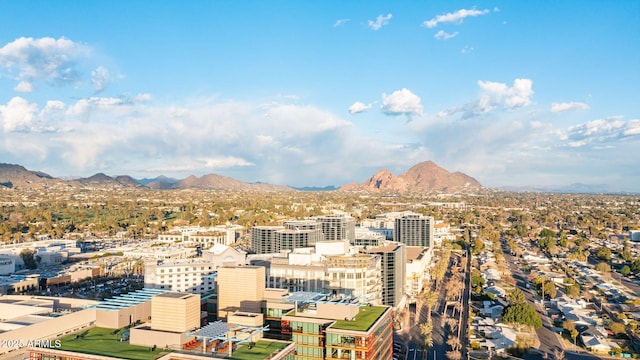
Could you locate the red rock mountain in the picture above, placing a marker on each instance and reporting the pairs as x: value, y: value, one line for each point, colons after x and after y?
x: 423, y: 177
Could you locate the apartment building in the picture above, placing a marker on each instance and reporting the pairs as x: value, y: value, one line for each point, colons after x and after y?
x: 337, y: 227
x: 194, y: 275
x: 417, y: 270
x: 414, y: 230
x: 330, y: 268
x: 294, y: 234
x: 393, y: 263
x: 367, y: 237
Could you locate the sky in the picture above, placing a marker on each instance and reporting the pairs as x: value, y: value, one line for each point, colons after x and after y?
x: 317, y: 93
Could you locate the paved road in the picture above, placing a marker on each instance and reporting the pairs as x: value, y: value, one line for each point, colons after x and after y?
x: 548, y: 339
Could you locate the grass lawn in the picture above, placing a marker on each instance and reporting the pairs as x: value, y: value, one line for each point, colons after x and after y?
x: 100, y: 341
x: 363, y: 321
x: 260, y: 350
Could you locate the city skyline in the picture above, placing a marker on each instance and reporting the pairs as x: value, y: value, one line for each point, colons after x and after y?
x: 316, y: 94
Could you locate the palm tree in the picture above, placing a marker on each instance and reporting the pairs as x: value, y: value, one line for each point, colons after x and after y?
x: 453, y: 355
x: 430, y: 298
x: 427, y: 332
x: 558, y: 354
x: 454, y: 287
x: 454, y: 342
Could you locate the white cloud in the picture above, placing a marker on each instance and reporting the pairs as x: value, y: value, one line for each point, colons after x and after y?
x: 580, y: 143
x: 601, y: 132
x: 358, y: 107
x: 24, y: 87
x: 401, y: 102
x: 443, y: 35
x: 17, y: 115
x: 633, y: 128
x: 225, y: 162
x: 454, y: 17
x: 44, y: 59
x: 380, y: 21
x: 494, y: 94
x: 569, y: 106
x: 340, y: 22
x: 517, y: 95
x: 100, y: 78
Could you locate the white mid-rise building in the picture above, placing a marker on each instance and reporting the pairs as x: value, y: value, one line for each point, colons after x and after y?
x: 330, y: 268
x: 417, y: 270
x: 195, y: 275
x: 202, y: 237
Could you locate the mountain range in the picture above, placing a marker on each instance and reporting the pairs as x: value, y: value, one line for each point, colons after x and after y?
x: 423, y: 177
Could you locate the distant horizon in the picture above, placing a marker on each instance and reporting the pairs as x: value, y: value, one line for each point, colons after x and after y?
x: 570, y: 188
x: 290, y: 92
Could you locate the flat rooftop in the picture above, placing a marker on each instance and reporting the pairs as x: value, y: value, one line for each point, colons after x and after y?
x: 367, y: 316
x: 260, y: 351
x: 130, y: 299
x: 175, y: 295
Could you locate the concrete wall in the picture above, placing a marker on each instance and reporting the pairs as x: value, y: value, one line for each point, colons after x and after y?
x: 179, y: 314
x: 240, y: 288
x: 143, y: 335
x: 116, y: 319
x: 51, y: 329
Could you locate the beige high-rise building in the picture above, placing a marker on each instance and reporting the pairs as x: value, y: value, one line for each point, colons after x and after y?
x: 175, y: 312
x: 240, y: 288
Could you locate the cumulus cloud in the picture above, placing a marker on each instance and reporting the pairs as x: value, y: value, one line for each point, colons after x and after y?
x: 100, y: 78
x: 495, y: 94
x: 17, y: 115
x: 358, y: 107
x: 466, y: 50
x: 454, y: 17
x: 569, y: 106
x: 401, y: 102
x: 515, y: 96
x: 380, y: 21
x: 601, y: 131
x: 24, y: 87
x: 443, y: 35
x: 45, y: 59
x: 340, y: 22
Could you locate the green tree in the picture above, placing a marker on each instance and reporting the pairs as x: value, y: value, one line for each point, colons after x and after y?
x: 625, y: 270
x: 603, y: 267
x: 515, y: 296
x: 30, y: 258
x: 523, y: 314
x: 478, y: 245
x: 569, y: 325
x: 603, y: 253
x: 547, y: 233
x: 617, y: 328
x: 574, y: 335
x: 572, y: 290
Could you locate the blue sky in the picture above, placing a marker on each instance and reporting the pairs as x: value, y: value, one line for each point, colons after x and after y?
x: 326, y: 92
